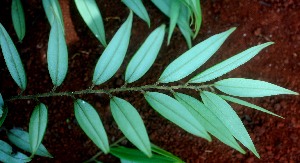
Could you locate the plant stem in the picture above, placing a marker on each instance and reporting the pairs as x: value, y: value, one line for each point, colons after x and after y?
x: 108, y: 91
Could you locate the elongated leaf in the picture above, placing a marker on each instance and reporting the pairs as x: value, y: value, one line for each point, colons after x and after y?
x: 175, y: 10
x: 229, y: 64
x: 1, y: 108
x: 250, y: 88
x: 57, y: 54
x: 37, y: 126
x: 138, y: 8
x: 210, y: 122
x: 20, y: 138
x: 189, y: 61
x: 145, y: 56
x: 4, y: 110
x: 165, y: 153
x: 245, y: 103
x: 131, y: 124
x: 12, y: 59
x: 187, y: 36
x: 137, y: 156
x: 113, y: 56
x: 176, y: 113
x: 53, y: 12
x: 195, y: 5
x: 90, y: 122
x: 18, y: 18
x: 92, y: 17
x: 6, y: 154
x: 229, y: 118
x: 1, y: 100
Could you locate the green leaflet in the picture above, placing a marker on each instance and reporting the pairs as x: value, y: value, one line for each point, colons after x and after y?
x: 229, y: 64
x: 250, y: 88
x: 196, y: 8
x: 113, y: 56
x: 12, y: 59
x: 145, y: 56
x: 92, y: 17
x: 6, y: 154
x: 57, y: 54
x: 90, y: 122
x: 186, y: 35
x: 138, y: 8
x: 37, y: 126
x: 210, y: 122
x: 18, y: 18
x: 131, y: 124
x: 53, y: 12
x: 4, y: 110
x: 245, y: 103
x: 20, y: 138
x: 165, y: 153
x: 176, y: 113
x: 192, y: 59
x: 174, y: 14
x: 229, y: 118
x: 137, y: 156
x: 1, y: 100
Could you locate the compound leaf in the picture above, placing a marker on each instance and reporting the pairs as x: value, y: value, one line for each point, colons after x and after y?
x: 145, y: 56
x: 18, y: 18
x: 20, y: 138
x: 229, y: 64
x: 137, y: 156
x: 229, y: 118
x: 90, y: 122
x: 6, y: 154
x: 138, y: 8
x: 37, y: 126
x: 131, y: 124
x: 210, y: 122
x: 114, y: 54
x: 57, y: 54
x: 245, y: 103
x: 189, y: 61
x: 175, y: 112
x: 250, y: 88
x: 12, y: 59
x: 92, y: 17
x: 53, y: 12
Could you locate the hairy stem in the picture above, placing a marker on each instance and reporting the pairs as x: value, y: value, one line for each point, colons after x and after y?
x: 109, y: 91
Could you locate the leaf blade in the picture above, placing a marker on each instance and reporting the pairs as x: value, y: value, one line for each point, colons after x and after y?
x: 138, y: 8
x: 174, y: 14
x: 6, y: 154
x: 176, y: 113
x: 250, y: 88
x: 144, y: 58
x: 18, y: 18
x: 12, y: 59
x: 131, y: 124
x: 92, y: 17
x: 90, y: 122
x: 53, y: 11
x: 113, y: 56
x: 192, y: 59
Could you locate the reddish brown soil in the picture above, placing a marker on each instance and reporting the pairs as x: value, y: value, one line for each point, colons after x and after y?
x: 258, y: 21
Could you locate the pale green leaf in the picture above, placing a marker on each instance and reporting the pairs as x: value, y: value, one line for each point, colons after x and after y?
x: 4, y: 110
x: 229, y: 64
x: 175, y: 10
x: 229, y: 118
x: 191, y: 60
x: 90, y: 122
x: 175, y: 112
x: 165, y: 153
x: 37, y: 126
x: 137, y: 156
x: 131, y: 124
x: 138, y: 8
x: 20, y: 139
x: 12, y: 59
x: 113, y: 56
x: 250, y: 88
x: 245, y: 103
x: 7, y: 155
x: 53, y: 11
x: 57, y: 54
x: 145, y: 56
x: 210, y: 122
x: 92, y: 17
x: 18, y: 18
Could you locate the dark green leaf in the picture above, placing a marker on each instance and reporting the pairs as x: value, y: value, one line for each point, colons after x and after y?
x: 4, y: 114
x: 18, y: 18
x: 165, y: 153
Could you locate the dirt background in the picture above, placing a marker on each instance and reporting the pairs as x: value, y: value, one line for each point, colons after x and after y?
x: 258, y: 21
